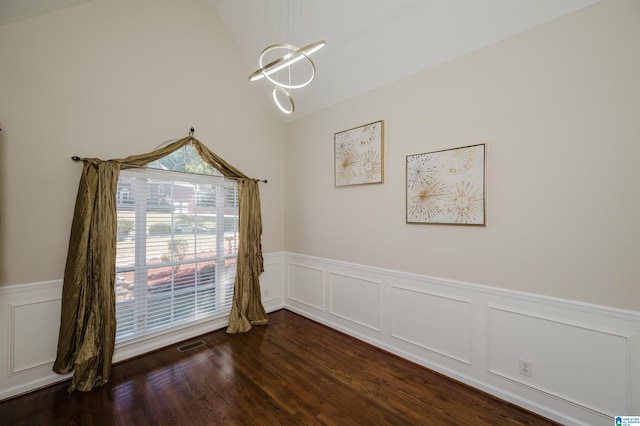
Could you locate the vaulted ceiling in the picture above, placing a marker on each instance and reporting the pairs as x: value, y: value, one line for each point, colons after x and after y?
x: 370, y: 43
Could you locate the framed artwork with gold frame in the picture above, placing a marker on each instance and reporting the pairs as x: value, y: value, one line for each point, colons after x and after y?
x: 447, y: 187
x: 359, y: 155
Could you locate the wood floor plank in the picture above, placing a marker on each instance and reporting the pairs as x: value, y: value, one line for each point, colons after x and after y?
x: 291, y: 372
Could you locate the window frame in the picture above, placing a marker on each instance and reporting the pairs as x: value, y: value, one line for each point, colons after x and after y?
x: 223, y: 257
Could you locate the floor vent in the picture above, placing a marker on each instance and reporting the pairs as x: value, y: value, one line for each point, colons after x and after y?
x: 191, y: 345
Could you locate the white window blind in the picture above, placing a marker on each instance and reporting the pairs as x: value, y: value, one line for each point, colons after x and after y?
x: 176, y: 249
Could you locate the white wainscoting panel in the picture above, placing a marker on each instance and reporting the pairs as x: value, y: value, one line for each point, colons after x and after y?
x: 307, y: 285
x: 585, y: 358
x: 29, y: 326
x: 581, y: 363
x: 33, y: 334
x: 438, y: 323
x: 272, y: 282
x: 356, y: 299
x: 30, y: 320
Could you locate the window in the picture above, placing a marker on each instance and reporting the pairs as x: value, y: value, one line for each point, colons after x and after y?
x: 176, y: 249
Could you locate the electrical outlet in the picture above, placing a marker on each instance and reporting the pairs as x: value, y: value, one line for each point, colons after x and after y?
x: 525, y: 367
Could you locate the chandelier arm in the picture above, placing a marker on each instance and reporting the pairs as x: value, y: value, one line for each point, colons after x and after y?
x: 289, y: 59
x: 295, y: 86
x: 292, y: 105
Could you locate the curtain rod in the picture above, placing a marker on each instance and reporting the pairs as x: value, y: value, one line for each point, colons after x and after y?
x: 76, y: 158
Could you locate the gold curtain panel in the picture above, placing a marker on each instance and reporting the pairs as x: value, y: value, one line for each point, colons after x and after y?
x: 88, y: 319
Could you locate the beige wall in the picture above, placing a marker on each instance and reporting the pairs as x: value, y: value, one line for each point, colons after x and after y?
x: 111, y: 78
x: 558, y: 108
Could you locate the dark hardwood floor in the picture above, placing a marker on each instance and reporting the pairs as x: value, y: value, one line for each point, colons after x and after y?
x: 291, y: 372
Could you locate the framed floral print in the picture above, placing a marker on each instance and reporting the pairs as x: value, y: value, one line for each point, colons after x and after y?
x: 359, y: 155
x: 447, y: 187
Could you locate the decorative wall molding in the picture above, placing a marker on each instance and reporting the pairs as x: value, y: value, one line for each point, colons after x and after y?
x: 29, y: 325
x: 29, y: 351
x: 575, y: 371
x: 586, y: 358
x: 437, y: 314
x: 356, y: 299
x: 30, y: 321
x: 311, y: 291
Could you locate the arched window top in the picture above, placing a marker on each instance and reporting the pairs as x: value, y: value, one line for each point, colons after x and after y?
x: 185, y: 159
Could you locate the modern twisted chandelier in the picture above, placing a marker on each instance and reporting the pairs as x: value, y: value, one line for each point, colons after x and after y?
x: 293, y: 69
